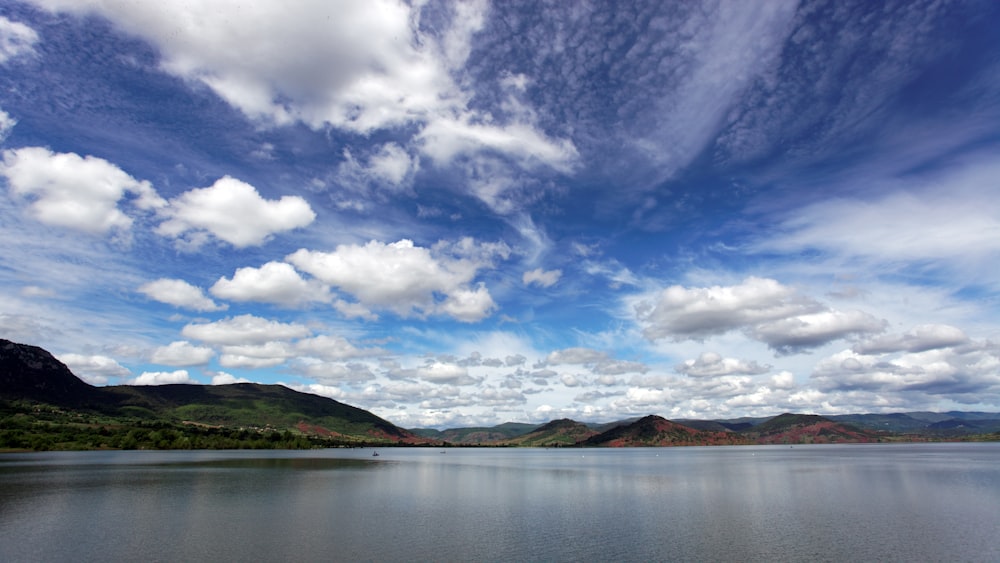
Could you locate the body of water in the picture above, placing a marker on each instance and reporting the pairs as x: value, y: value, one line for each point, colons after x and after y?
x: 899, y: 502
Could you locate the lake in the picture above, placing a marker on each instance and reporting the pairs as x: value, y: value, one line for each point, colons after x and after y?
x: 885, y: 502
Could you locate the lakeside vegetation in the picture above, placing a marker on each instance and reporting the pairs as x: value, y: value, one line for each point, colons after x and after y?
x: 36, y: 427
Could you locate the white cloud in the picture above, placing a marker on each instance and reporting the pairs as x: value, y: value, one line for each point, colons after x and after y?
x: 234, y: 212
x: 681, y: 313
x: 711, y: 364
x: 963, y: 374
x: 710, y: 69
x: 468, y: 305
x: 405, y: 278
x: 256, y: 355
x: 223, y: 378
x: 596, y: 362
x: 815, y: 329
x: 763, y: 309
x: 357, y: 66
x: 950, y: 218
x: 783, y: 380
x: 7, y: 124
x: 94, y: 369
x: 36, y: 291
x: 163, y: 378
x: 182, y: 354
x: 16, y: 39
x: 75, y: 192
x: 445, y: 138
x: 333, y: 348
x: 441, y: 372
x: 611, y: 367
x: 244, y: 330
x: 921, y: 338
x: 388, y: 167
x: 333, y: 372
x: 329, y: 391
x: 575, y: 356
x: 540, y: 277
x: 179, y: 293
x: 274, y: 282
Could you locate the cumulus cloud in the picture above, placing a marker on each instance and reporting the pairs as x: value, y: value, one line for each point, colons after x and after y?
x: 244, y: 330
x: 921, y: 338
x: 575, y: 356
x: 162, y: 378
x: 94, y: 369
x: 595, y: 361
x: 182, y: 354
x: 763, y: 308
x: 449, y: 373
x: 256, y: 355
x: 223, y: 378
x: 333, y: 373
x: 180, y: 293
x: 783, y: 380
x: 333, y: 348
x: 612, y: 367
x: 81, y: 193
x: 962, y: 374
x: 232, y: 211
x: 682, y: 313
x: 809, y: 331
x: 711, y: 364
x: 16, y: 39
x: 540, y: 277
x: 274, y: 282
x: 405, y: 278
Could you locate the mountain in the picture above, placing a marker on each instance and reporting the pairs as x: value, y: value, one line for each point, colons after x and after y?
x: 477, y: 435
x: 562, y: 432
x: 950, y: 424
x: 791, y: 428
x: 650, y: 430
x: 43, y: 405
x: 29, y: 373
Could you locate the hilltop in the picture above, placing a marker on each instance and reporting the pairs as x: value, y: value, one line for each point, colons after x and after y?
x: 562, y: 432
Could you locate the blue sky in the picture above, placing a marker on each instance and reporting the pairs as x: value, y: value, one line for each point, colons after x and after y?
x: 459, y: 214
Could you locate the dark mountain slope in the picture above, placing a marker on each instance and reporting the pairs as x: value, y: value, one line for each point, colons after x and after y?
x: 29, y: 372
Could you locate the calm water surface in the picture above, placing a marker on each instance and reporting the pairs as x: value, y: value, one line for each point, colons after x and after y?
x: 921, y: 502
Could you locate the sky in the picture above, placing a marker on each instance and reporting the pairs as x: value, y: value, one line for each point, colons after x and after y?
x: 463, y: 213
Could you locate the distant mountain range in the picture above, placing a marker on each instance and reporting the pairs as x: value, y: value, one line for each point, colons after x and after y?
x: 43, y: 405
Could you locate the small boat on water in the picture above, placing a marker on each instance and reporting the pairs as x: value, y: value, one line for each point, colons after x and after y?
x: 374, y: 454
